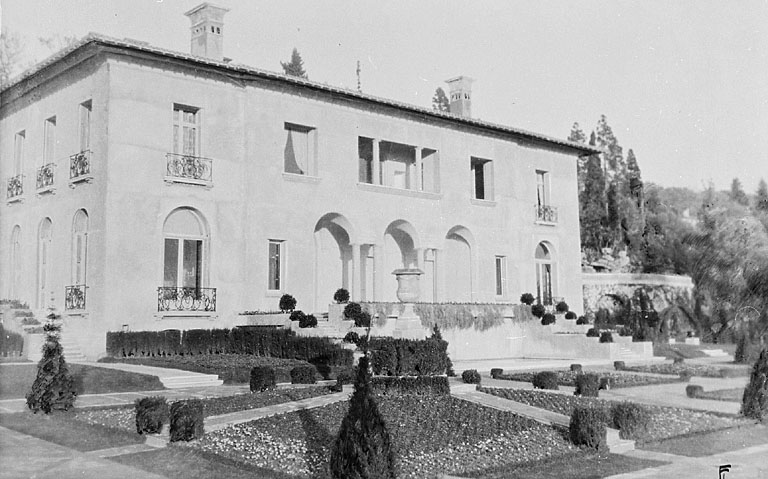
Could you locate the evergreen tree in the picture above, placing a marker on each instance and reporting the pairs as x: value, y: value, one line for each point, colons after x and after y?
x: 592, y: 204
x: 11, y: 49
x: 737, y: 193
x: 440, y: 100
x: 613, y: 159
x: 54, y: 386
x: 761, y: 201
x: 754, y: 403
x: 577, y: 136
x: 363, y: 449
x: 295, y: 67
x: 635, y: 179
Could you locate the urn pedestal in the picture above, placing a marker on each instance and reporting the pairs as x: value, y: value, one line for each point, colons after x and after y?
x: 408, y: 324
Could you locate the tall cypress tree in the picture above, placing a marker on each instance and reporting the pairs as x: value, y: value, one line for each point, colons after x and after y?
x: 761, y: 201
x: 54, y: 386
x: 592, y: 205
x: 577, y: 136
x: 737, y: 193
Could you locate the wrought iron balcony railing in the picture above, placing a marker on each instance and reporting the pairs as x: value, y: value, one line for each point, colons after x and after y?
x: 74, y: 297
x: 45, y: 176
x: 80, y: 165
x: 186, y: 299
x: 190, y: 169
x: 546, y: 213
x: 15, y: 187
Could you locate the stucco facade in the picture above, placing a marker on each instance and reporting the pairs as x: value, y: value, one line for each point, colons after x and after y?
x: 277, y: 185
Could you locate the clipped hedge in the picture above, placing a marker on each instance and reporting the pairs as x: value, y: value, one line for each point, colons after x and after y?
x: 587, y: 385
x: 303, y: 375
x: 413, y: 385
x: 588, y: 428
x: 471, y: 376
x: 11, y: 344
x: 538, y: 310
x: 619, y: 365
x: 186, y: 420
x: 545, y: 380
x: 151, y: 413
x: 693, y: 391
x: 409, y: 357
x: 351, y: 337
x: 548, y: 319
x: 606, y: 337
x: 262, y: 379
x: 576, y: 367
x: 496, y: 372
x: 630, y: 419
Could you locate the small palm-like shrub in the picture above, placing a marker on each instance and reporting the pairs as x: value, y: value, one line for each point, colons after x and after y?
x: 630, y: 419
x: 754, y: 403
x: 588, y: 428
x: 186, y: 420
x: 298, y: 315
x: 548, y: 319
x: 587, y: 385
x: 262, y: 378
x: 471, y: 376
x: 355, y: 312
x: 582, y: 320
x: 570, y: 315
x: 309, y: 321
x: 545, y: 380
x: 351, y: 337
x: 151, y: 414
x: 538, y: 310
x: 527, y: 298
x: 341, y: 296
x: 606, y: 337
x: 562, y: 307
x: 593, y: 333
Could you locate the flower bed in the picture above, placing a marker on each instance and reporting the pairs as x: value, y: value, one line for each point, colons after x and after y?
x: 618, y: 380
x: 695, y: 369
x: 124, y: 417
x: 665, y: 422
x: 429, y: 434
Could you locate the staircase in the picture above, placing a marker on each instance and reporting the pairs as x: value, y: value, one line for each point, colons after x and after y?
x: 71, y: 349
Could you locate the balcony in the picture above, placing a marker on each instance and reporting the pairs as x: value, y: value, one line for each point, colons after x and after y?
x: 186, y: 299
x: 80, y: 167
x: 546, y: 214
x: 45, y: 178
x: 15, y: 188
x: 74, y: 297
x: 193, y: 170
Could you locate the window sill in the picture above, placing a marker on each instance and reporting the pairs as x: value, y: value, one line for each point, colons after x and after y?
x: 545, y: 223
x: 301, y: 178
x: 45, y: 191
x: 80, y: 179
x: 165, y: 315
x: 70, y: 313
x: 487, y: 203
x: 274, y: 293
x: 427, y: 195
x: 188, y: 181
x: 15, y: 199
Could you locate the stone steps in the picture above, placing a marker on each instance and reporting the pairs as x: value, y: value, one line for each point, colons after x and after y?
x: 188, y: 381
x: 715, y: 353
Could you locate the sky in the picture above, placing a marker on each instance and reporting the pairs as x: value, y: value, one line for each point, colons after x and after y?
x: 682, y: 83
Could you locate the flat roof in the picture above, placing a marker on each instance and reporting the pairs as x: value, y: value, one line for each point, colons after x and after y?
x: 135, y: 45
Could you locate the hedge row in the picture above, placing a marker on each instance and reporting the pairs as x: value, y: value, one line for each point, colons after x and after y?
x: 409, y: 357
x: 276, y: 343
x: 419, y: 385
x: 11, y: 344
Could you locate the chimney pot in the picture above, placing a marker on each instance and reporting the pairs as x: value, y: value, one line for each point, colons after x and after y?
x: 207, y: 31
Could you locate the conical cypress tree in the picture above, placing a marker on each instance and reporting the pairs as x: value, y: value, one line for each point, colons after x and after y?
x: 54, y: 386
x: 363, y: 449
x: 754, y: 403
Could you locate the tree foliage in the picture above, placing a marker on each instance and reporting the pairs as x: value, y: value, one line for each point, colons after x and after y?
x: 737, y: 193
x: 294, y: 67
x: 54, y: 386
x: 11, y: 48
x: 440, y: 100
x: 761, y: 197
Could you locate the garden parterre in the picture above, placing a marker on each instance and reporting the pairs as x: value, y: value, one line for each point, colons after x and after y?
x: 617, y: 380
x: 704, y: 370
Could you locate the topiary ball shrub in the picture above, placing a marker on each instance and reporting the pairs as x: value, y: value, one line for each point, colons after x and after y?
x: 363, y: 320
x: 186, y: 420
x: 527, y: 298
x: 570, y: 315
x: 263, y: 378
x: 678, y: 360
x: 576, y: 367
x: 354, y: 312
x: 151, y: 413
x: 298, y: 315
x: 587, y: 385
x: 630, y: 419
x: 471, y: 376
x: 496, y: 372
x: 693, y: 390
x: 754, y: 402
x: 685, y: 375
x: 538, y: 310
x: 562, y: 307
x: 303, y: 375
x: 351, y: 337
x: 548, y: 319
x: 287, y: 303
x: 619, y: 365
x: 606, y: 383
x: 593, y: 333
x: 545, y: 380
x: 341, y: 296
x: 606, y: 337
x: 309, y: 321
x: 588, y: 428
x: 582, y: 320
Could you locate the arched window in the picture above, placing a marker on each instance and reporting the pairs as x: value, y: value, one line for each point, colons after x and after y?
x: 544, y: 274
x: 185, y: 243
x: 44, y: 262
x: 79, y: 247
x: 15, y: 263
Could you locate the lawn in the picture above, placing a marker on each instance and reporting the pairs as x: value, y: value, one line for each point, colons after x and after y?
x: 715, y: 442
x: 617, y: 380
x: 16, y: 380
x: 703, y: 370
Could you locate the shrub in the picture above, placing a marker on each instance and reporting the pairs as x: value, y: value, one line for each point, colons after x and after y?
x: 471, y: 376
x: 562, y: 307
x: 54, y: 385
x: 409, y: 357
x: 10, y: 343
x: 338, y: 387
x: 576, y: 368
x: 754, y: 402
x: 548, y: 319
x: 630, y: 419
x: 186, y: 420
x: 582, y: 320
x: 419, y: 385
x: 527, y: 298
x: 685, y: 375
x: 303, y: 375
x: 287, y: 303
x: 678, y: 360
x: 298, y: 315
x: 606, y: 337
x: 263, y: 378
x: 693, y: 390
x: 619, y: 365
x: 587, y: 385
x: 341, y: 296
x: 346, y: 376
x: 538, y: 310
x: 309, y: 321
x: 355, y: 312
x: 151, y: 414
x: 606, y: 383
x: 588, y: 428
x: 496, y: 372
x: 624, y: 331
x: 545, y: 380
x: 570, y: 315
x: 351, y: 337
x: 593, y: 333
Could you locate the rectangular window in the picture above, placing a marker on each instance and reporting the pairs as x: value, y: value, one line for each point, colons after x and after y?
x: 85, y: 126
x: 189, y: 254
x: 49, y: 140
x: 430, y: 170
x: 171, y: 269
x: 365, y: 155
x: 397, y: 165
x: 501, y: 275
x: 18, y: 152
x: 275, y: 265
x: 542, y: 188
x: 299, y: 152
x: 482, y: 179
x: 186, y: 130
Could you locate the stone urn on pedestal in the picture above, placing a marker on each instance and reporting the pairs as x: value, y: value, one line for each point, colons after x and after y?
x: 408, y: 324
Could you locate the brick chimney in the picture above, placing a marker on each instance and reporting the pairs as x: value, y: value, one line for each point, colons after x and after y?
x: 460, y: 95
x: 207, y: 31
